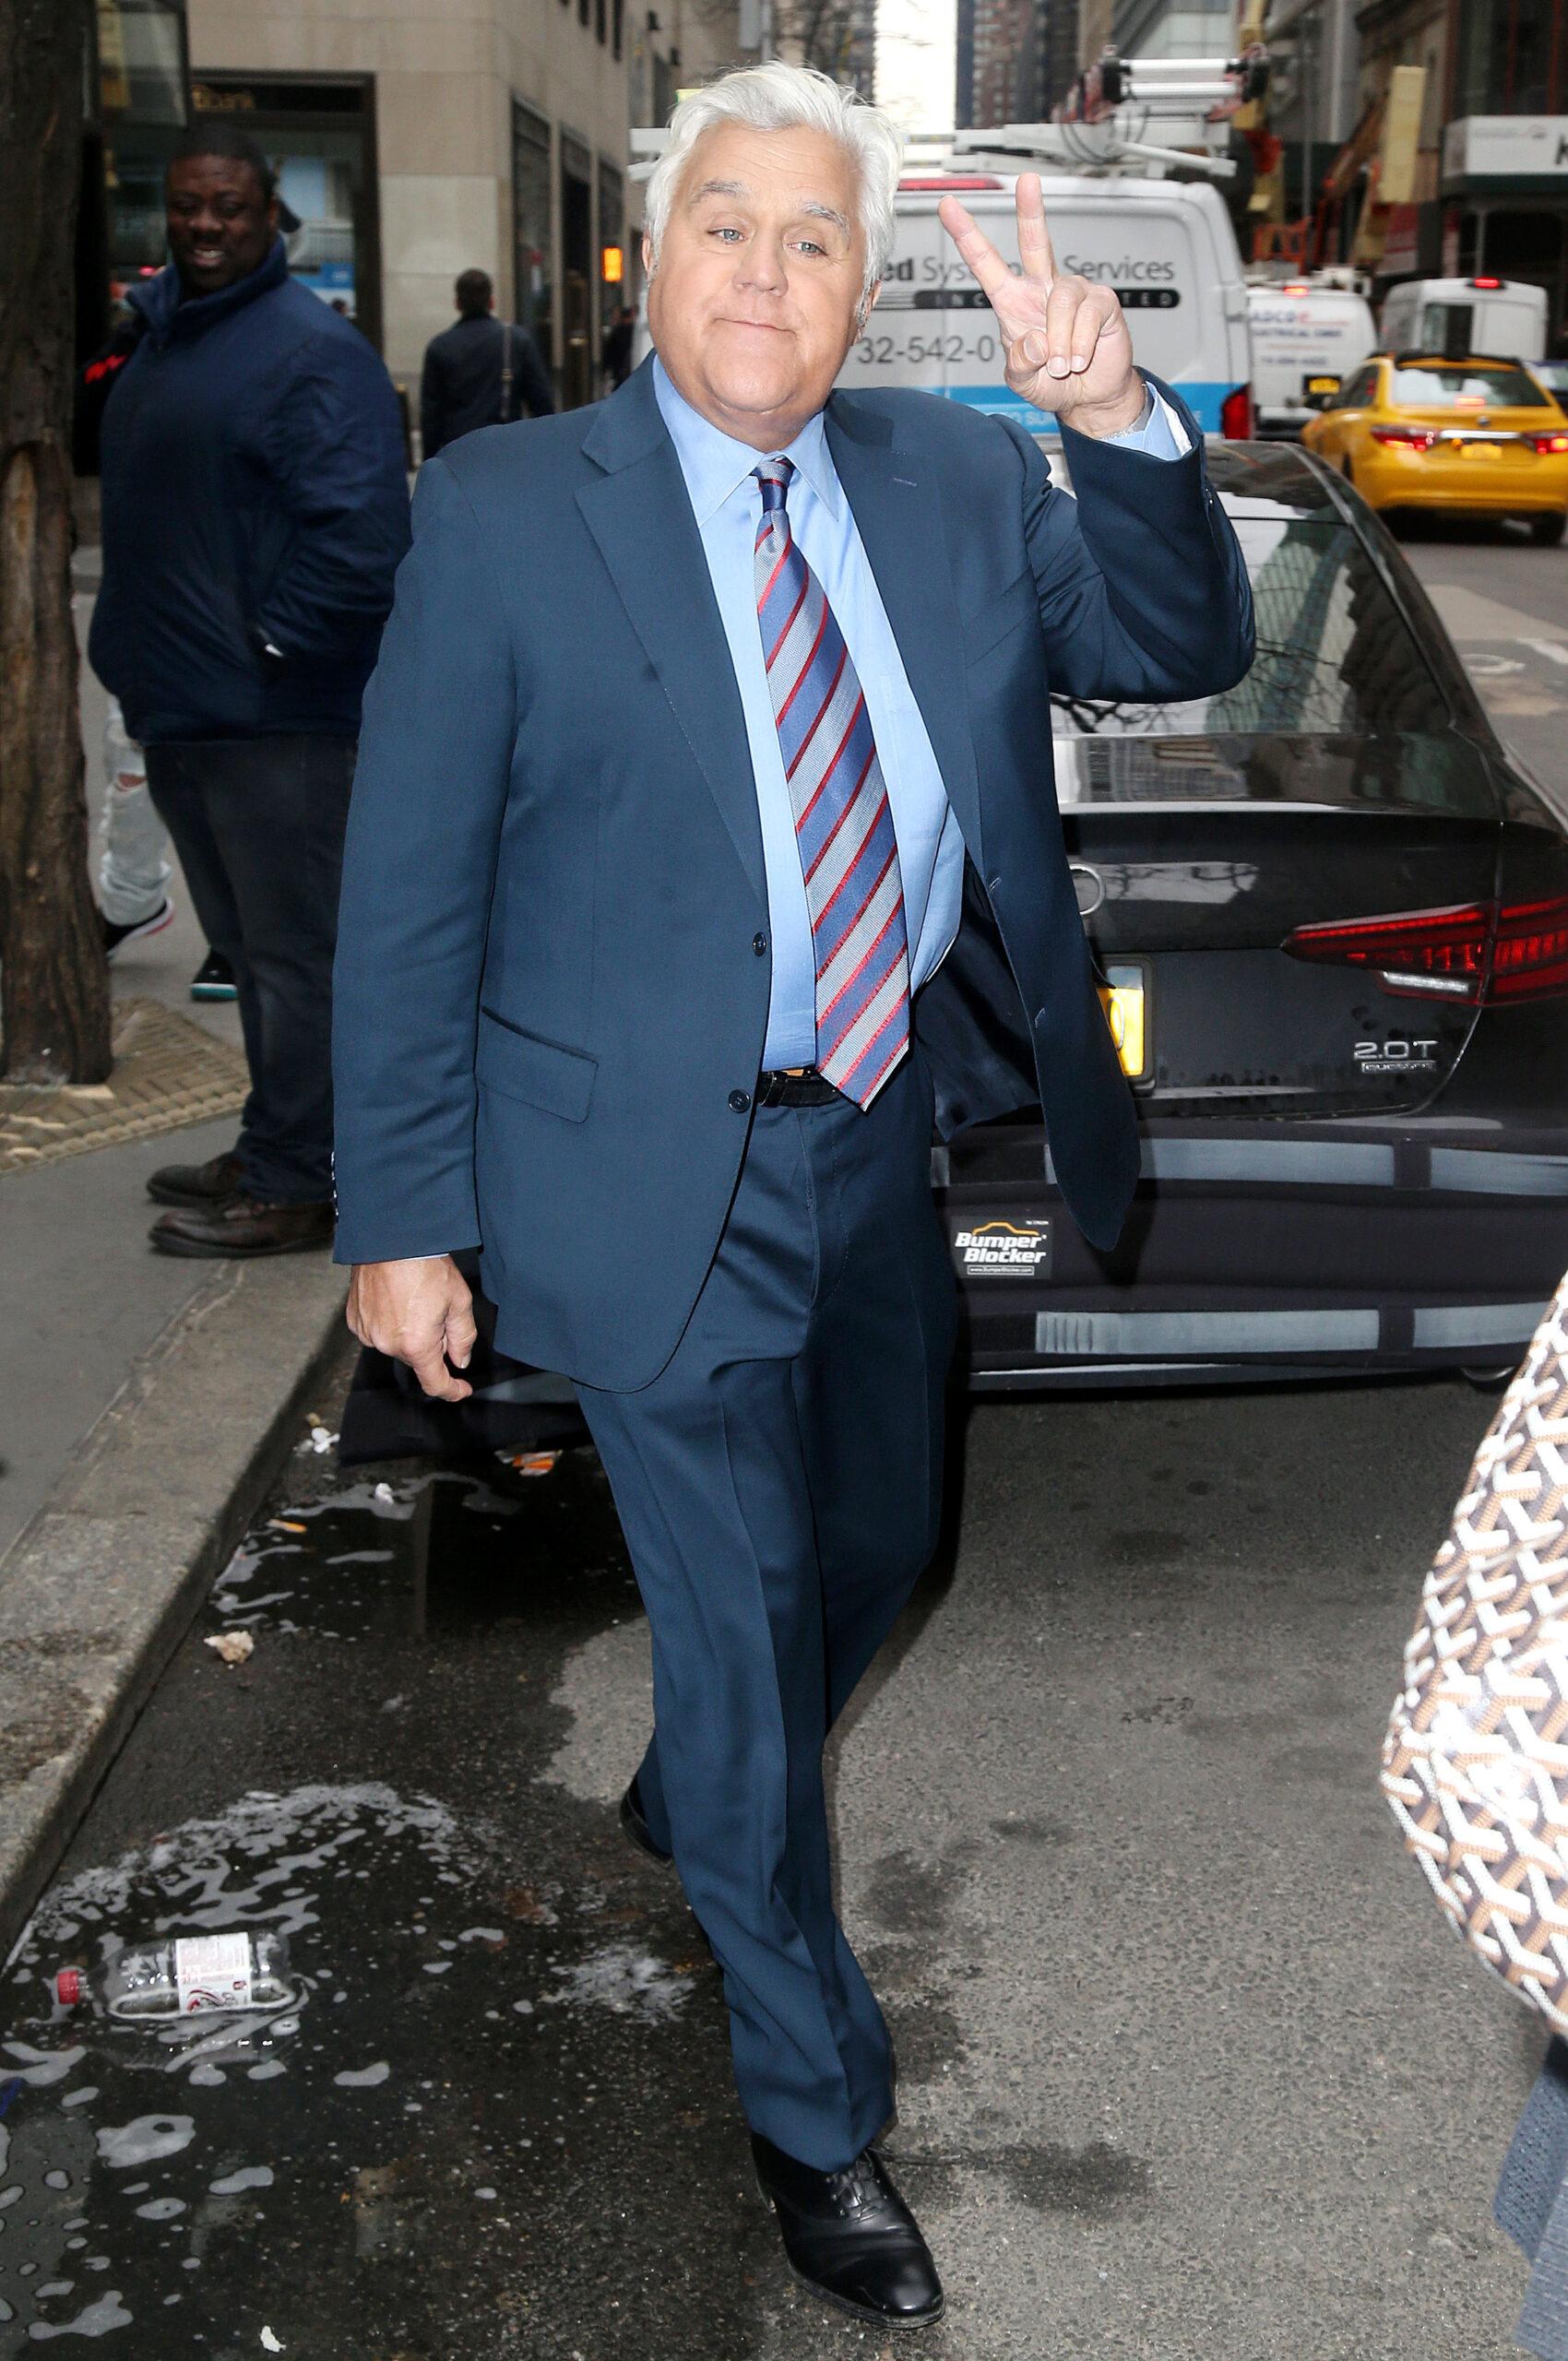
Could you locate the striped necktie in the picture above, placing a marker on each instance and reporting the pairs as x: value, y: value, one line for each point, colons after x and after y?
x: 843, y: 819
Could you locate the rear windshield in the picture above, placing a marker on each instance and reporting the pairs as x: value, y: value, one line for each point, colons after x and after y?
x: 1465, y: 387
x: 1336, y: 656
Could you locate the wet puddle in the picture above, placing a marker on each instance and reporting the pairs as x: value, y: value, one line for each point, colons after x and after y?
x: 486, y: 1980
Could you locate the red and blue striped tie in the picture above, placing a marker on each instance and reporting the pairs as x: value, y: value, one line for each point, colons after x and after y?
x: 843, y: 820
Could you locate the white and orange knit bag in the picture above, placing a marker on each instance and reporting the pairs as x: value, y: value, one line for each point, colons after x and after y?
x: 1475, y: 1761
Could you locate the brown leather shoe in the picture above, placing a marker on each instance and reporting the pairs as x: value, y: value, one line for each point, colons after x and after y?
x: 240, y: 1225
x: 195, y: 1184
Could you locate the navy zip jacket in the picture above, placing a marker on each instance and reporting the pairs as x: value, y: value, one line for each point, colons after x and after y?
x: 255, y: 492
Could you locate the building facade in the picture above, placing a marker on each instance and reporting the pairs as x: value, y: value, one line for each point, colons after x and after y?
x: 1314, y: 97
x: 412, y: 145
x: 1504, y: 165
x: 1000, y: 57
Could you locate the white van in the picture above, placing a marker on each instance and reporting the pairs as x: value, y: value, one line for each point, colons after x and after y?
x: 1308, y: 341
x: 1456, y: 317
x: 1166, y: 247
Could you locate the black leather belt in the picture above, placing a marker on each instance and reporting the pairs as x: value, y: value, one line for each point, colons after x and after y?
x: 807, y: 1088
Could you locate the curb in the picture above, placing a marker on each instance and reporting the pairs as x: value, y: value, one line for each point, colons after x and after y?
x: 105, y: 1582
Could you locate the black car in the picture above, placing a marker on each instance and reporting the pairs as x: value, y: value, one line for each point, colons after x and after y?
x: 1330, y: 913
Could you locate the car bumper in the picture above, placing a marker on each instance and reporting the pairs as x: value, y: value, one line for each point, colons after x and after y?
x: 1324, y: 1251
x: 1416, y: 479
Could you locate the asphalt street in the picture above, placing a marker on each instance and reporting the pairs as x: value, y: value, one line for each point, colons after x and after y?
x: 1189, y: 2067
x: 1505, y: 603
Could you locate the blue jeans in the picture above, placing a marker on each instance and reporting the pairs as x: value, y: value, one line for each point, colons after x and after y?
x: 258, y: 825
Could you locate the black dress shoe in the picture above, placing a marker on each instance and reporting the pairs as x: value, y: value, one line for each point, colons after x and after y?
x: 637, y: 1829
x: 194, y: 1184
x: 850, y: 2239
x: 240, y: 1227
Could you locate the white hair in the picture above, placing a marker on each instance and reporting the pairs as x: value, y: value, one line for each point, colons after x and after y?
x: 777, y: 97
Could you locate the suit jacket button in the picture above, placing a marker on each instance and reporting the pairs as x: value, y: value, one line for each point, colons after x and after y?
x: 740, y: 1100
x: 759, y: 945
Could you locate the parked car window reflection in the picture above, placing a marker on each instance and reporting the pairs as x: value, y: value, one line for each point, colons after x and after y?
x: 1336, y: 656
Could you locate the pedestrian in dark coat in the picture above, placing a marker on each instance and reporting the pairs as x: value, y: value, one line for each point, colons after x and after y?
x: 480, y: 372
x: 615, y: 353
x: 255, y: 511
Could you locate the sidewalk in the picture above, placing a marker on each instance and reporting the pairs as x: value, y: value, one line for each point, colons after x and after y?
x: 144, y: 1401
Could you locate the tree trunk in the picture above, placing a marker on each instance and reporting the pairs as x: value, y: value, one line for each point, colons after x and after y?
x: 53, y: 977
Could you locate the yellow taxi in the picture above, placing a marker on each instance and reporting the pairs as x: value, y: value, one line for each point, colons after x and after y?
x: 1481, y: 437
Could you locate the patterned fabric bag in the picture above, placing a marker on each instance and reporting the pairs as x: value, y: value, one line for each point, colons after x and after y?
x: 1475, y: 1764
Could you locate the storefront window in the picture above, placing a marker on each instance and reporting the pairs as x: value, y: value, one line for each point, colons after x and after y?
x: 141, y: 65
x: 320, y: 137
x: 533, y: 227
x: 614, y: 275
x: 1512, y: 57
x: 579, y: 275
x: 141, y: 86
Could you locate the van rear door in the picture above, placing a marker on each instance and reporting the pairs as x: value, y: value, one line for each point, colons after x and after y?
x: 1168, y: 249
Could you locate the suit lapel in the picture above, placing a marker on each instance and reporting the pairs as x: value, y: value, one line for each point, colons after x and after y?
x: 897, y: 509
x: 639, y: 514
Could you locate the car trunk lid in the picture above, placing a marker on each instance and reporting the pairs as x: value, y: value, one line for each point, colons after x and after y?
x: 1199, y: 859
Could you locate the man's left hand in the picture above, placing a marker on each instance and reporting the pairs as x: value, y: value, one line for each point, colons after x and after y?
x: 1068, y: 350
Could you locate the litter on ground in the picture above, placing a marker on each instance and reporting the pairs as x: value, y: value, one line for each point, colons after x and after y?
x: 233, y: 1646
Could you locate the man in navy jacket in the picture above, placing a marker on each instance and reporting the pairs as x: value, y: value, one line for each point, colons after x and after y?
x: 701, y: 717
x: 254, y: 509
x: 480, y: 372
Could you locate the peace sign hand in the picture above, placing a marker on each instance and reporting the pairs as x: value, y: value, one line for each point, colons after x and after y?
x: 1068, y: 350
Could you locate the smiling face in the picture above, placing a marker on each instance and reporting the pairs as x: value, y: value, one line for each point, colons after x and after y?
x: 756, y: 297
x: 220, y: 224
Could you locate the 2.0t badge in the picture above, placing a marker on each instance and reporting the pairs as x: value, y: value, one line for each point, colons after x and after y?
x: 1003, y: 1249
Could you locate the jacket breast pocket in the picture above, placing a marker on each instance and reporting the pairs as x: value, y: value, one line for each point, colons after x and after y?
x: 541, y: 1073
x: 1018, y: 604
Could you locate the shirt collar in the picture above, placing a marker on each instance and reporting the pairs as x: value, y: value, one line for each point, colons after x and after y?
x: 714, y: 463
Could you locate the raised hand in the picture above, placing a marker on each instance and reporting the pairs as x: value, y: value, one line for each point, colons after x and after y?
x: 1068, y: 350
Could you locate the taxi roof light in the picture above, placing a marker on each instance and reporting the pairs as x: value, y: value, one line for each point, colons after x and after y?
x: 1486, y: 282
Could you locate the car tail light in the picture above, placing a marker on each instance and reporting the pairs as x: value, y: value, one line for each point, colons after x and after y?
x: 1236, y: 415
x: 1486, y: 282
x: 1545, y: 443
x: 1413, y: 438
x: 1481, y: 953
x: 1530, y: 958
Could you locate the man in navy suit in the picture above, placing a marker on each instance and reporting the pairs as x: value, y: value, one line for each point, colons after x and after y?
x: 710, y: 724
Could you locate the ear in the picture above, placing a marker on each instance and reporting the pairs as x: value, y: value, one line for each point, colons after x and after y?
x: 868, y: 306
x: 647, y: 255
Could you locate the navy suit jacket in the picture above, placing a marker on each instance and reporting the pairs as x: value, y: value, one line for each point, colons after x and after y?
x: 552, y: 973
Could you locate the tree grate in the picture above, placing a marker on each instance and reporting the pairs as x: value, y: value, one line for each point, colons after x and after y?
x: 168, y: 1072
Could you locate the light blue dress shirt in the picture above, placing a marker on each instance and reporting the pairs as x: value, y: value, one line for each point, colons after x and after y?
x: 727, y: 504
